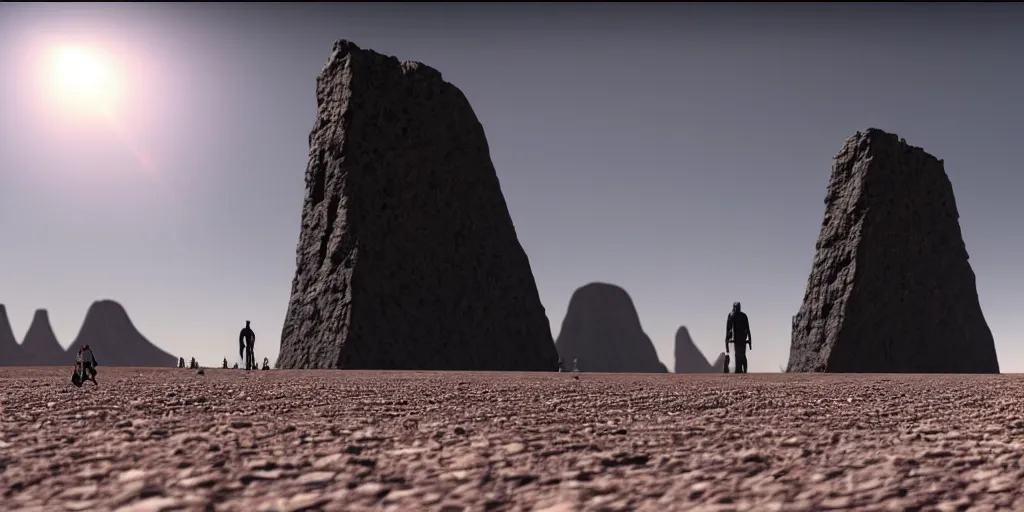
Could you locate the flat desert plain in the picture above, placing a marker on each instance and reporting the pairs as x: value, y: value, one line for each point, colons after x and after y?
x: 168, y: 439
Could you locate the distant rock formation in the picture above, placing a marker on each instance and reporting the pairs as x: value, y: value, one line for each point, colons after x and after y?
x: 891, y: 289
x: 719, y: 364
x: 689, y: 358
x: 407, y: 256
x: 11, y: 353
x: 115, y: 340
x: 602, y: 330
x: 40, y: 344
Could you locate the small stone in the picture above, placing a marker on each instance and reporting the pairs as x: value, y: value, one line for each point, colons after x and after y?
x: 197, y: 481
x: 261, y: 475
x: 328, y: 461
x: 131, y: 475
x: 302, y: 502
x: 317, y: 478
x: 260, y: 464
x: 514, y: 448
x: 154, y: 504
x: 563, y: 506
x: 372, y: 489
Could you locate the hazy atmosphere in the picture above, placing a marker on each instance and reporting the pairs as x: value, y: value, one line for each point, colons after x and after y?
x: 678, y: 151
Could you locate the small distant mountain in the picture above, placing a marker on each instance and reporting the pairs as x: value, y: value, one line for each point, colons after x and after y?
x: 40, y: 345
x: 11, y: 353
x: 602, y: 331
x: 719, y: 366
x: 115, y: 340
x: 689, y: 358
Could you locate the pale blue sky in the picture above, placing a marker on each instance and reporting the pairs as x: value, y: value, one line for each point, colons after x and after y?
x: 678, y: 151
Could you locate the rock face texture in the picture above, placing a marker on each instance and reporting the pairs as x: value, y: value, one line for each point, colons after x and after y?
x: 689, y: 358
x: 40, y: 345
x: 407, y: 256
x: 602, y: 330
x: 115, y: 340
x: 11, y: 353
x: 890, y: 290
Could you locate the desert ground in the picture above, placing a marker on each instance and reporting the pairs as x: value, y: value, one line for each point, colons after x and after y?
x: 168, y: 439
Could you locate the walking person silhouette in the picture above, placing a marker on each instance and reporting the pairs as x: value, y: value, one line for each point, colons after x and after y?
x: 246, y: 345
x: 737, y: 332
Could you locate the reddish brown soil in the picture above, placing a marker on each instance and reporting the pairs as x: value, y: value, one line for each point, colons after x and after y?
x: 157, y: 439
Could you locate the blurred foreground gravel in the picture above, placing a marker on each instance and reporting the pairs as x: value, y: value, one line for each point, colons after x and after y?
x: 168, y: 439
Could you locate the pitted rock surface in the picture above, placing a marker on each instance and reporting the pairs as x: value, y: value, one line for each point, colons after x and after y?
x: 281, y: 440
x: 407, y: 256
x: 40, y: 345
x: 115, y: 340
x: 891, y: 289
x: 602, y: 331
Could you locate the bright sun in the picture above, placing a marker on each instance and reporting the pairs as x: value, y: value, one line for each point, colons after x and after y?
x: 84, y: 80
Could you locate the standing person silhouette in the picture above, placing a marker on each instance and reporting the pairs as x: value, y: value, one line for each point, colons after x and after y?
x: 246, y: 344
x: 737, y: 332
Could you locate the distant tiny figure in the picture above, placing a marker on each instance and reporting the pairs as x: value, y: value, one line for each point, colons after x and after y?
x: 193, y: 364
x: 737, y: 332
x: 85, y: 365
x: 246, y: 344
x: 575, y: 364
x: 235, y: 366
x: 725, y: 367
x: 181, y: 362
x: 266, y: 363
x: 560, y: 367
x: 224, y: 365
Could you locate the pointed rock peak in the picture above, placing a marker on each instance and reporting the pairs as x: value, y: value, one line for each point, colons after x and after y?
x: 689, y: 358
x: 719, y: 364
x: 11, y: 353
x: 6, y: 331
x: 40, y: 344
x: 41, y: 325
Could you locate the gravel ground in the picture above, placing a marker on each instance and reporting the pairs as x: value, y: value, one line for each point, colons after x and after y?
x: 167, y: 439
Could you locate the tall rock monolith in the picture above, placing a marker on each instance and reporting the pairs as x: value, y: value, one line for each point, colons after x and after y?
x: 891, y: 289
x: 115, y: 340
x: 11, y: 353
x: 40, y: 344
x: 602, y: 332
x: 407, y: 256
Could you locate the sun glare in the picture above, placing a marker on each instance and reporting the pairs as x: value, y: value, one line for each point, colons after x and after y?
x: 84, y: 80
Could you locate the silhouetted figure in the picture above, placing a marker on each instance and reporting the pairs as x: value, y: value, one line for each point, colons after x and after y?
x: 575, y: 364
x: 266, y: 363
x: 725, y: 366
x: 737, y: 332
x: 560, y: 367
x: 181, y: 362
x: 246, y: 343
x: 85, y: 365
x: 235, y: 366
x: 224, y: 365
x: 193, y: 364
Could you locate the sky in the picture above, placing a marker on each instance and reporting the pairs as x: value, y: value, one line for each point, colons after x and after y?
x: 680, y: 151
